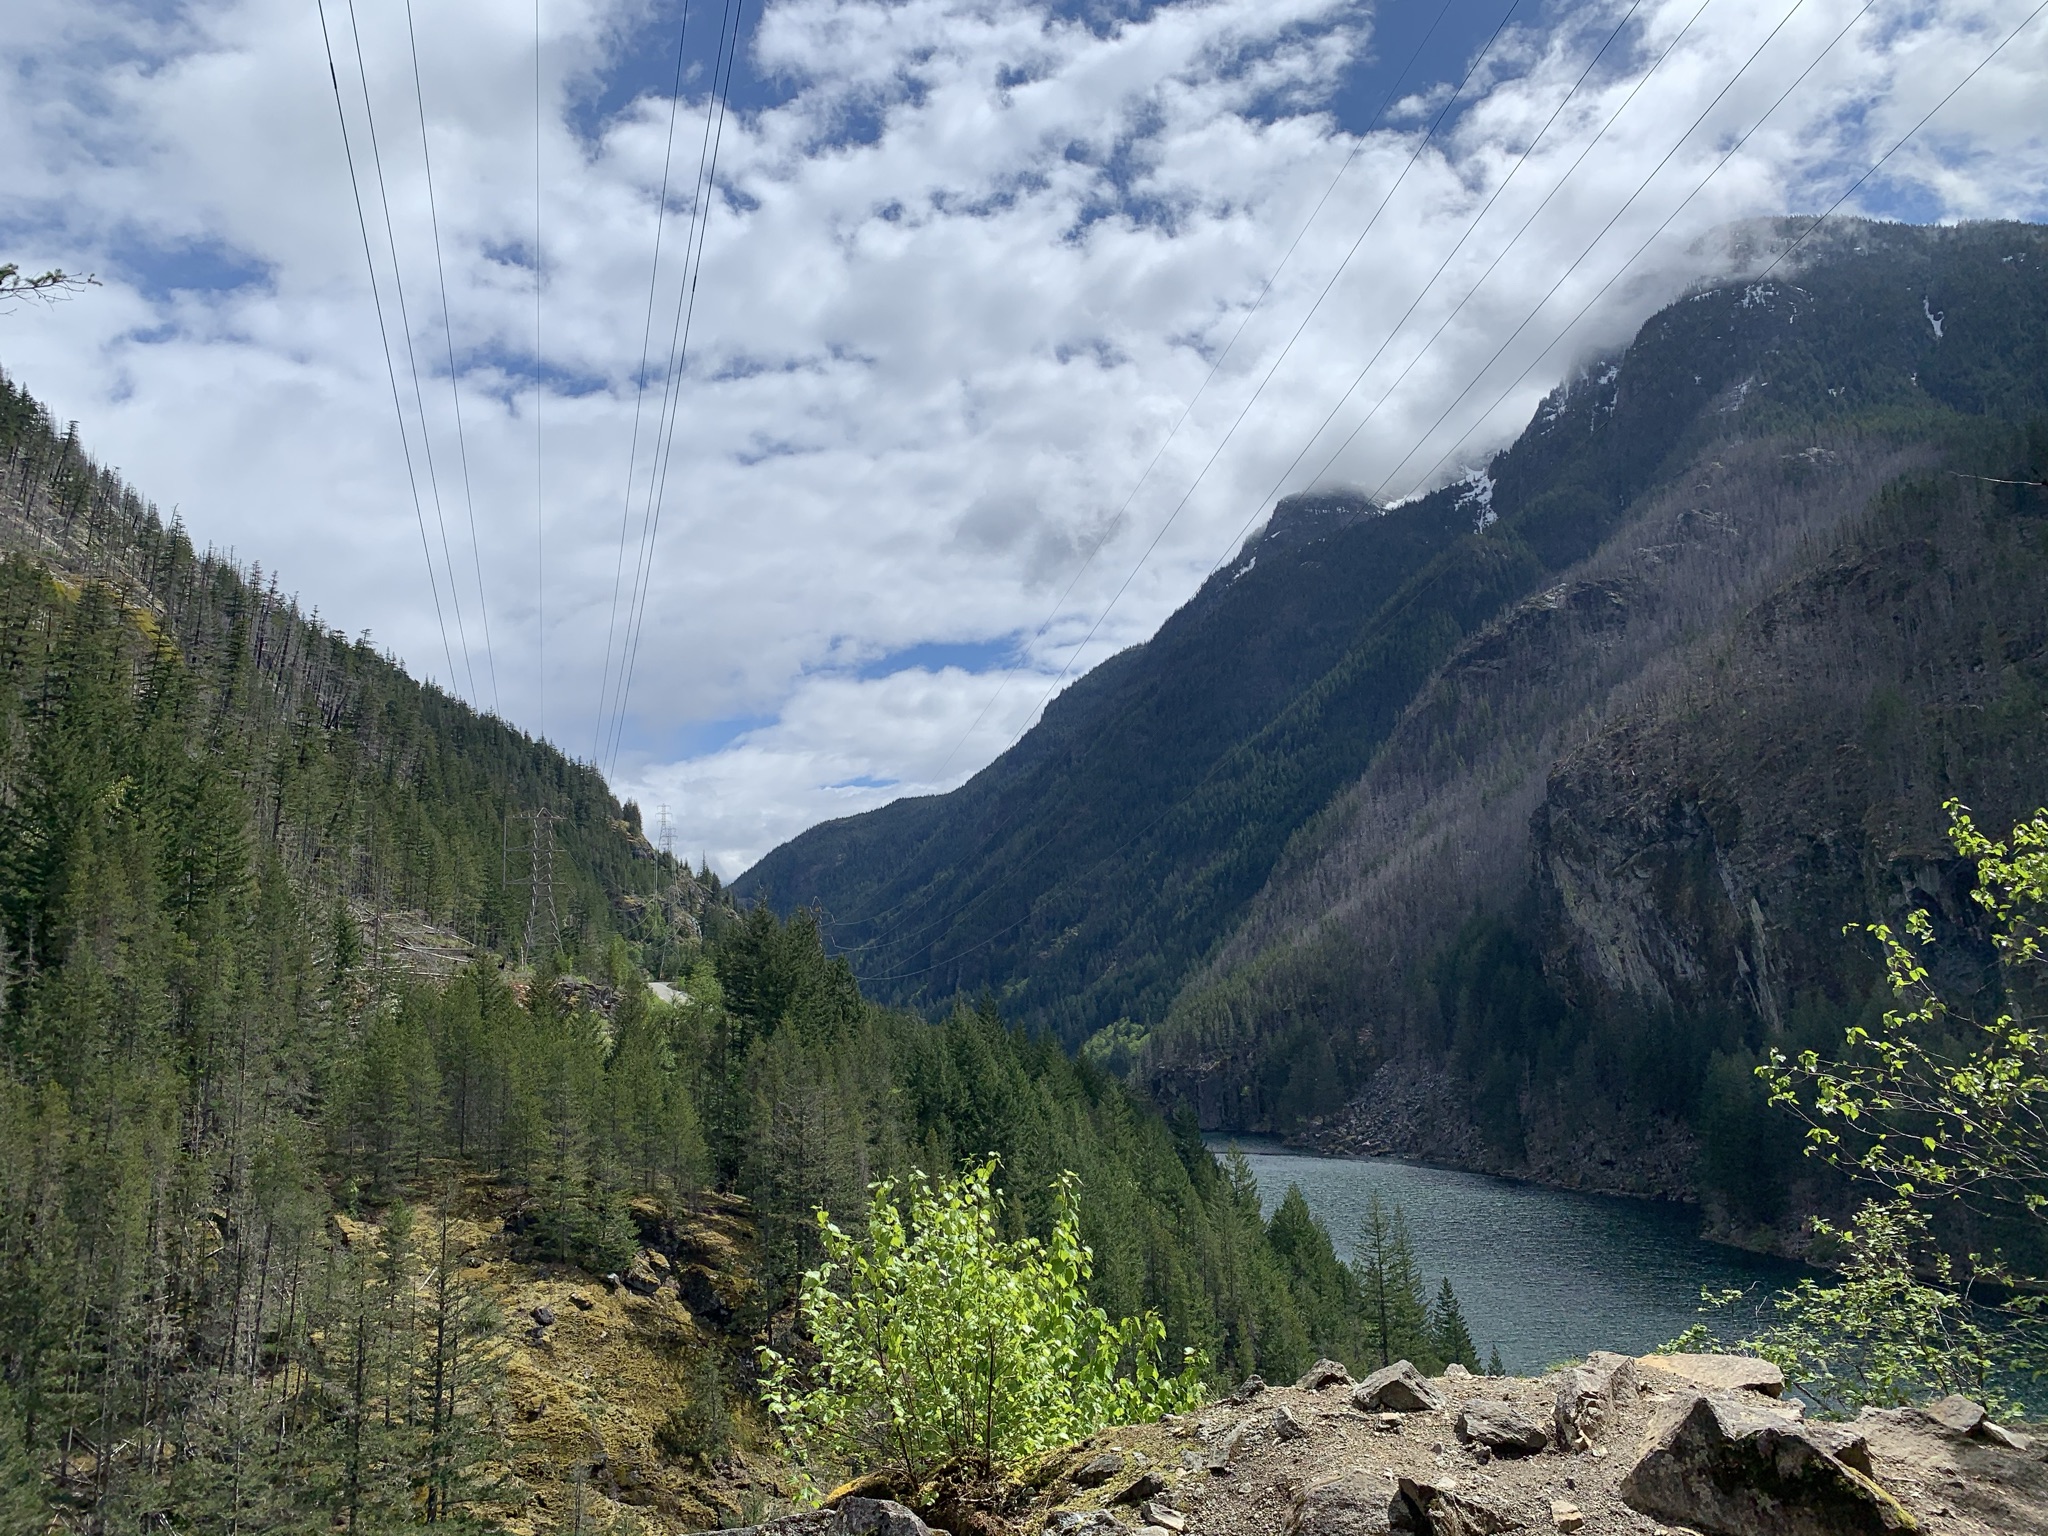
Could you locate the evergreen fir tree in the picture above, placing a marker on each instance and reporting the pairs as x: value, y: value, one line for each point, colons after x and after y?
x: 1449, y: 1337
x: 1390, y: 1285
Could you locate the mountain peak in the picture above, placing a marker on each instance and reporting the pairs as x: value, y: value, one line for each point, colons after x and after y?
x: 1310, y: 515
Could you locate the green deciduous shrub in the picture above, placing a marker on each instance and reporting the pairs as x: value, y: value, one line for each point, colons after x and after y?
x: 1941, y: 1107
x: 938, y: 1340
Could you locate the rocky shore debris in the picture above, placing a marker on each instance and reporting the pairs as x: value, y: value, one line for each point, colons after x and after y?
x: 1443, y: 1507
x: 1716, y: 1373
x: 1097, y: 1470
x: 853, y: 1516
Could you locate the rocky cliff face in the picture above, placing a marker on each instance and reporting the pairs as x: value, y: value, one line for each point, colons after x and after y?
x: 1709, y: 846
x: 1510, y: 825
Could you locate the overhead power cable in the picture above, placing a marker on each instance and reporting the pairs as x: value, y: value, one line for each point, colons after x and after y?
x: 1078, y: 651
x: 540, y: 561
x: 1584, y: 252
x: 675, y: 99
x: 1217, y: 767
x: 1259, y: 506
x: 637, y: 614
x: 384, y: 336
x: 1358, y: 144
x: 1587, y: 306
x: 454, y: 389
x: 412, y: 359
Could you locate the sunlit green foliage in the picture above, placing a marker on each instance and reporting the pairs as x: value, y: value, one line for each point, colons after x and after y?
x: 938, y: 1340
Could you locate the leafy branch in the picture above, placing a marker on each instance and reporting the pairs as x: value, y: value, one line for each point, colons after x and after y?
x: 53, y: 284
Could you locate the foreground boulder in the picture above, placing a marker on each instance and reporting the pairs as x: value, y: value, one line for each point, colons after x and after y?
x: 1501, y: 1427
x: 1590, y: 1397
x: 1715, y: 1373
x: 1442, y: 1508
x: 1727, y: 1466
x: 1399, y: 1387
x: 1324, y: 1373
x: 1354, y: 1504
x: 854, y: 1516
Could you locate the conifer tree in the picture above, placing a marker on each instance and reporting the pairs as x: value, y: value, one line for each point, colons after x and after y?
x: 1397, y: 1316
x: 1450, y: 1339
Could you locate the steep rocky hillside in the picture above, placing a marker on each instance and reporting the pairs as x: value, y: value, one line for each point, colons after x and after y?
x: 1088, y: 874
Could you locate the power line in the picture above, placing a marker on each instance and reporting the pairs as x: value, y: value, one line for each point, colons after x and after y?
x: 1110, y: 527
x: 1224, y: 442
x: 540, y: 568
x: 1259, y: 506
x: 1878, y: 163
x: 412, y: 359
x: 640, y: 388
x: 1227, y: 758
x: 636, y: 618
x: 679, y: 343
x: 384, y: 336
x: 1357, y: 147
x: 454, y: 390
x: 1645, y: 245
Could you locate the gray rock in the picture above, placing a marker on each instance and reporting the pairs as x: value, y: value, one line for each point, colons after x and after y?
x: 1353, y: 1504
x: 1071, y: 1522
x: 875, y: 1517
x: 1224, y: 1446
x: 1589, y: 1396
x: 544, y: 1317
x: 1097, y: 1470
x: 1715, y: 1373
x: 641, y: 1280
x: 1957, y: 1415
x: 1998, y: 1434
x: 1148, y: 1485
x: 1285, y: 1425
x: 1442, y: 1508
x: 1252, y: 1387
x: 1500, y: 1427
x: 1324, y: 1373
x: 1153, y: 1512
x: 1398, y: 1386
x: 1730, y: 1467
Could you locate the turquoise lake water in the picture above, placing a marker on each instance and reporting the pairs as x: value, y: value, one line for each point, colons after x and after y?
x: 1545, y: 1275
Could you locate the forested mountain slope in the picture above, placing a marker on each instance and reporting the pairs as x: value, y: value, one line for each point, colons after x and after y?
x: 297, y: 1234
x: 366, y: 784
x: 1084, y: 875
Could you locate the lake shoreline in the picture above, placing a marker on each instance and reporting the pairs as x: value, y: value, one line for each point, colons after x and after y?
x: 1544, y: 1274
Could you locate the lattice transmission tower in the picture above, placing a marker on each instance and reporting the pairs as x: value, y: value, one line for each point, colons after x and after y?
x: 543, y: 920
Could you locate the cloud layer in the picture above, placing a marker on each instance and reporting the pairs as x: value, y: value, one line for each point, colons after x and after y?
x: 961, y: 277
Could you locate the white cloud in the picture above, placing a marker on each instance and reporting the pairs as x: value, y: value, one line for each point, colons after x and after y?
x: 960, y: 283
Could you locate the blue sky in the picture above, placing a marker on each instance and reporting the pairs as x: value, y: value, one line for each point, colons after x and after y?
x: 1010, y: 317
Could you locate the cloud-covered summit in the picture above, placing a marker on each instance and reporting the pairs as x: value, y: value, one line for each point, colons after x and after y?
x: 965, y: 267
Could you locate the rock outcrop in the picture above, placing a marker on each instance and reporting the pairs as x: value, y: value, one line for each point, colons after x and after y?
x: 1398, y: 1388
x: 1638, y: 1450
x: 1725, y: 1464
